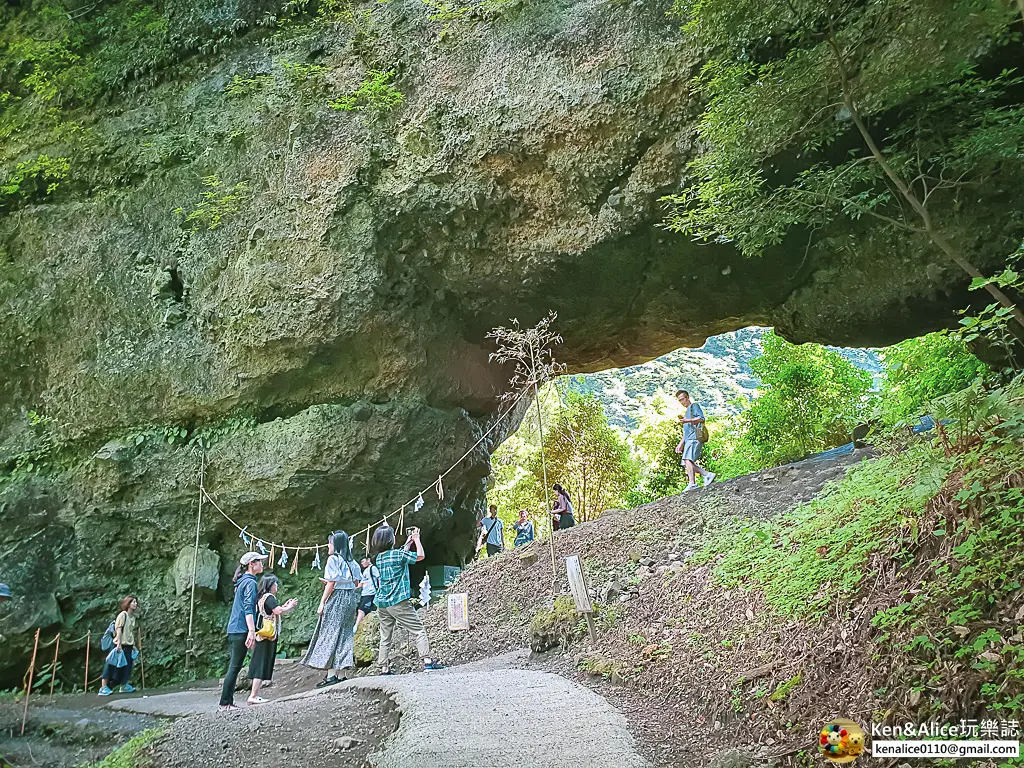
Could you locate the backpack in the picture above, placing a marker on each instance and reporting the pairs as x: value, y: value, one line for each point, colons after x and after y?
x: 107, y: 641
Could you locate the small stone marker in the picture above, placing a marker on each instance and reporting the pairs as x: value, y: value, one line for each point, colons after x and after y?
x: 580, y: 594
x: 458, y: 611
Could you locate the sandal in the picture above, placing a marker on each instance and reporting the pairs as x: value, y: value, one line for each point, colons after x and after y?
x: 434, y: 664
x: 332, y: 680
x: 385, y: 672
x: 227, y: 707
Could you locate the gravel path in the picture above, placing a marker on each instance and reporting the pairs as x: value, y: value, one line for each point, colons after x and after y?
x: 482, y: 716
x: 333, y: 729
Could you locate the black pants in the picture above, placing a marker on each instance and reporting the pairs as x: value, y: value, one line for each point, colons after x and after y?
x: 493, y: 549
x: 236, y: 645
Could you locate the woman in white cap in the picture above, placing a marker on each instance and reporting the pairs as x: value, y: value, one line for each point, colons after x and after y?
x: 242, y: 624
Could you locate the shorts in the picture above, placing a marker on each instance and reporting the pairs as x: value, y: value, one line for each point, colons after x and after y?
x: 366, y: 604
x: 692, y: 450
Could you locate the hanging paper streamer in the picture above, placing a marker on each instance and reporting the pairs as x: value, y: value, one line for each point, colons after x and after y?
x: 270, y: 560
x: 367, y: 545
x: 316, y: 560
x: 283, y: 562
x: 401, y: 520
x: 419, y: 503
x: 295, y: 562
x: 261, y: 548
x: 439, y: 488
x: 243, y: 536
x: 425, y: 590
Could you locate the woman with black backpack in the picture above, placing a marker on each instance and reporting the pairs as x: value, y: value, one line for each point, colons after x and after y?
x: 268, y: 611
x: 333, y: 643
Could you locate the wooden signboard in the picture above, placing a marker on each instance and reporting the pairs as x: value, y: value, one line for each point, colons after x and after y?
x: 458, y: 611
x: 580, y: 593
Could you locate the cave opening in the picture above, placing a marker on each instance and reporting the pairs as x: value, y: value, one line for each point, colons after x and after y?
x: 618, y: 426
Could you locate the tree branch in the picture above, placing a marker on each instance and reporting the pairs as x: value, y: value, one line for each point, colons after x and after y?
x: 922, y: 211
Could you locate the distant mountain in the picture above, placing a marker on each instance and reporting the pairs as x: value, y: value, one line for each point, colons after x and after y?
x: 718, y: 376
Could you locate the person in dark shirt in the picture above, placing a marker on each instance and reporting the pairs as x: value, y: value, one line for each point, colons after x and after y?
x: 242, y: 624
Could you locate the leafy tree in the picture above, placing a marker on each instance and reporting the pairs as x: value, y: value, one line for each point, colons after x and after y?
x: 654, y: 442
x: 919, y: 370
x: 729, y: 453
x: 589, y: 458
x: 513, y: 484
x: 824, y: 110
x: 811, y: 398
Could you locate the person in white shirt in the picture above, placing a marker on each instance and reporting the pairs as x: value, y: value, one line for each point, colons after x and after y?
x: 371, y: 580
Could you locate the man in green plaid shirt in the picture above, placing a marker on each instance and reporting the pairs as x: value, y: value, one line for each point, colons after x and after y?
x: 393, y: 595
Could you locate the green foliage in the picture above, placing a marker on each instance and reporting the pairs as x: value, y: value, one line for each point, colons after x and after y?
x: 514, y: 485
x: 556, y: 627
x: 35, y: 179
x: 917, y: 371
x: 376, y: 94
x: 783, y: 689
x: 216, y: 203
x: 587, y: 457
x: 729, y: 453
x: 654, y: 442
x: 133, y: 754
x: 811, y: 398
x: 994, y: 325
x: 790, y: 86
x: 817, y: 556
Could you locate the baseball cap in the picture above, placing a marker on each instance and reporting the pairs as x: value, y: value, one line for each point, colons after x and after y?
x: 248, y: 557
x: 5, y: 591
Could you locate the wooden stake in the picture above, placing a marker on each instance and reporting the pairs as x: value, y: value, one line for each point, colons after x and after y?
x: 88, y: 642
x: 590, y: 626
x: 53, y: 671
x: 28, y: 686
x: 142, y: 662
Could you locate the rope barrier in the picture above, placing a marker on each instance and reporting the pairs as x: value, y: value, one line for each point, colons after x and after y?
x: 435, y: 486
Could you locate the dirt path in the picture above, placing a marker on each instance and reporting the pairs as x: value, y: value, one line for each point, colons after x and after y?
x: 491, y: 715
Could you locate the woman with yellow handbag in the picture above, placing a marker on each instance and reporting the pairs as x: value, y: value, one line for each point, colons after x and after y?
x: 268, y: 620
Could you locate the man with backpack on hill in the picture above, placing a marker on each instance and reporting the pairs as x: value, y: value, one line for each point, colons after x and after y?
x: 695, y: 434
x: 492, y: 531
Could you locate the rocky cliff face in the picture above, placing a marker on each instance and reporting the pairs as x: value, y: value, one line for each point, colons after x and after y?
x: 302, y: 291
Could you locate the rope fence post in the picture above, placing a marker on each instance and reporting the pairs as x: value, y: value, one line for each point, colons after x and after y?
x: 28, y: 685
x: 195, y: 560
x: 142, y: 661
x: 88, y: 644
x: 53, y: 670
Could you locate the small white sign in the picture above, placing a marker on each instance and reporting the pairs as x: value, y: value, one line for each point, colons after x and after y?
x: 458, y: 611
x: 578, y: 585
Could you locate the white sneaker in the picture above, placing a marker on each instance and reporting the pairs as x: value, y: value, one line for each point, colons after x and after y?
x: 709, y: 478
x: 690, y: 487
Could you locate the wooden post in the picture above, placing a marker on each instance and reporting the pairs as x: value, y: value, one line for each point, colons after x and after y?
x: 580, y: 593
x: 53, y: 671
x: 142, y: 663
x: 88, y: 642
x: 28, y: 685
